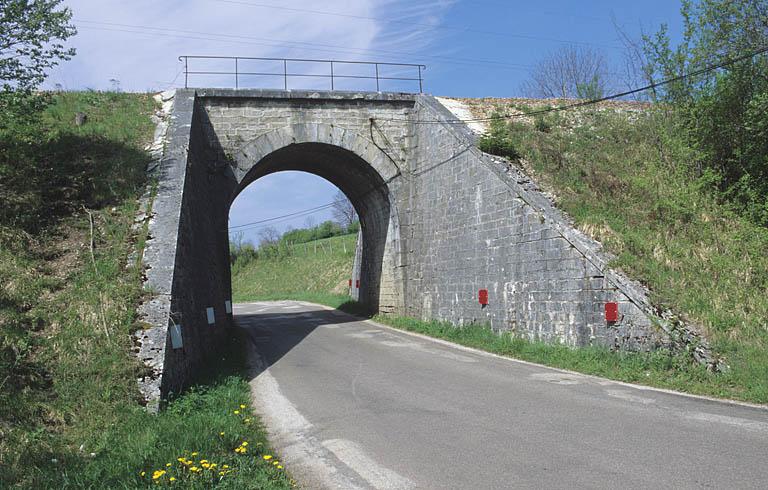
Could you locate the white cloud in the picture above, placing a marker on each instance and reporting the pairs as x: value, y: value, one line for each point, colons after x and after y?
x: 138, y: 42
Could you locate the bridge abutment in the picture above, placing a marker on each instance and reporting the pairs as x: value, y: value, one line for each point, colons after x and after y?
x: 440, y: 221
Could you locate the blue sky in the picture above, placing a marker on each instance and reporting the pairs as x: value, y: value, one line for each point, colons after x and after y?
x: 472, y: 48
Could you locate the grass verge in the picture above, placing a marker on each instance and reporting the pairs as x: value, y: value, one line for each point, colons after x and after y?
x: 69, y: 403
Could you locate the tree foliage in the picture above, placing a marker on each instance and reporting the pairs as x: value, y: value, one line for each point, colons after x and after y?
x: 725, y: 111
x: 31, y: 37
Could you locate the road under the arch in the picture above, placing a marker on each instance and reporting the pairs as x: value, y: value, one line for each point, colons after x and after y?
x: 354, y: 404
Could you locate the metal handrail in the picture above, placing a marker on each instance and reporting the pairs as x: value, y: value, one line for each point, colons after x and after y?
x: 285, y: 74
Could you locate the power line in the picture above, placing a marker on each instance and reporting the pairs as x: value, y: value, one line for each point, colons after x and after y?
x: 270, y: 42
x: 588, y: 102
x: 280, y: 218
x: 417, y: 24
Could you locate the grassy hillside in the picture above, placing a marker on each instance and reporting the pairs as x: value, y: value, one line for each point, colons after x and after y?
x: 312, y: 271
x: 629, y: 180
x: 69, y: 404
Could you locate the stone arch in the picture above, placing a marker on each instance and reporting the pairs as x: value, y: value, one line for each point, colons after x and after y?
x: 364, y: 172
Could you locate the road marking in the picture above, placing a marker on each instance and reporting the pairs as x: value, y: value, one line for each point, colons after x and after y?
x: 557, y: 378
x: 378, y: 476
x: 628, y: 396
x: 725, y: 419
x: 290, y: 432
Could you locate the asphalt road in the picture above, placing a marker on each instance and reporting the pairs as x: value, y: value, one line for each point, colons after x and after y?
x: 354, y: 404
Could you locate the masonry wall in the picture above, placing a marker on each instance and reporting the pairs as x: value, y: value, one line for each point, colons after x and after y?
x: 471, y: 224
x: 440, y: 219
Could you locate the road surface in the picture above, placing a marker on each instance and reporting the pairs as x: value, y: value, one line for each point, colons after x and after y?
x: 354, y: 404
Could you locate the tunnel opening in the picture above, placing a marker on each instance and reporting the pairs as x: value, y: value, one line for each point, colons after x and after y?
x: 365, y: 189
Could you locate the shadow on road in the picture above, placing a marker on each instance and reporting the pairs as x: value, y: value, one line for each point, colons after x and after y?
x: 271, y: 335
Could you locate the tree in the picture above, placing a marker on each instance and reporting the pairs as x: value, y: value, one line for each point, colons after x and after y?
x: 268, y: 236
x: 31, y: 37
x: 724, y: 111
x: 570, y: 72
x: 343, y: 211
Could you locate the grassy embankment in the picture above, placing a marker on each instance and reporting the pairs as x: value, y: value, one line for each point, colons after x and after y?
x: 69, y: 405
x: 627, y: 180
x: 317, y: 271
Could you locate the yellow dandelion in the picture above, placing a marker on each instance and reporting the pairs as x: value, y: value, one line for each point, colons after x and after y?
x: 237, y: 412
x: 158, y: 474
x: 173, y: 478
x: 242, y: 406
x: 221, y: 433
x: 244, y: 443
x: 221, y: 473
x: 275, y: 463
x: 168, y: 465
x: 194, y: 454
x: 143, y: 473
x: 267, y: 457
x: 279, y: 467
x: 226, y: 466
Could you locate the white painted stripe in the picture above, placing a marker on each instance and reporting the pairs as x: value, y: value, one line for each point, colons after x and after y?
x: 378, y: 476
x: 211, y: 315
x: 291, y: 432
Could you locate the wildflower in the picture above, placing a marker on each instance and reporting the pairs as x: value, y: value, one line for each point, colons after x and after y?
x: 242, y: 406
x: 194, y: 469
x: 237, y: 412
x: 173, y: 478
x: 158, y: 474
x: 168, y: 465
x: 267, y: 457
x: 275, y: 463
x: 143, y: 473
x: 194, y: 454
x: 221, y: 433
x: 279, y: 467
x: 226, y: 466
x: 244, y: 443
x: 247, y: 421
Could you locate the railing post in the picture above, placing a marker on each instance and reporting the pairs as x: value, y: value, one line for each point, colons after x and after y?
x: 377, y: 77
x: 331, y: 75
x: 285, y: 74
x: 421, y: 89
x: 236, y: 85
x: 186, y: 72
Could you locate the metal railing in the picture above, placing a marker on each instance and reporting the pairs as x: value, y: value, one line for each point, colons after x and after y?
x: 286, y: 75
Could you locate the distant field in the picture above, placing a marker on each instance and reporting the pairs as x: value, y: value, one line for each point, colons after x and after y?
x: 318, y: 270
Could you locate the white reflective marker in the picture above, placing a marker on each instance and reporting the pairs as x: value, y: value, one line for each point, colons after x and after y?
x: 211, y: 315
x: 176, y: 342
x: 228, y: 306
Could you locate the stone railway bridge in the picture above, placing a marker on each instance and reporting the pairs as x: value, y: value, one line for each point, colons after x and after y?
x: 440, y: 221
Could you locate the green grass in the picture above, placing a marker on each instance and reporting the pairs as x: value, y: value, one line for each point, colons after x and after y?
x: 70, y: 415
x: 305, y: 271
x: 660, y: 368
